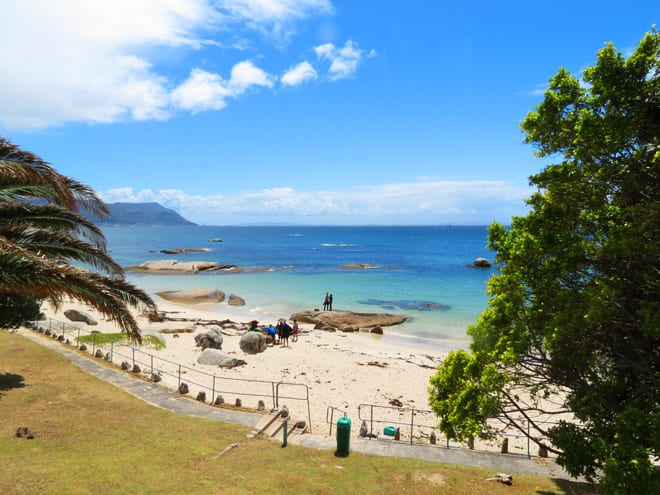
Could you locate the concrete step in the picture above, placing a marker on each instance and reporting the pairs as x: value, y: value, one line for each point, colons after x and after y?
x: 272, y: 425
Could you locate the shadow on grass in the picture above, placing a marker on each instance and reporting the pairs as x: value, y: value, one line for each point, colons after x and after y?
x: 571, y: 487
x: 9, y: 381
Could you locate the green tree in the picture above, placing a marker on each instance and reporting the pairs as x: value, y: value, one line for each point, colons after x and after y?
x: 48, y: 250
x: 572, y: 328
x: 15, y: 310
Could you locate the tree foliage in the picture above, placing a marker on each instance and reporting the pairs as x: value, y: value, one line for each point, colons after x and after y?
x: 572, y: 328
x: 16, y: 310
x: 48, y: 250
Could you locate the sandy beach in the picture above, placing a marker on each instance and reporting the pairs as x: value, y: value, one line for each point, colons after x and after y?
x: 346, y: 372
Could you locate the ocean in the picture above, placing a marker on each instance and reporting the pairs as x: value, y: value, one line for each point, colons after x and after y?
x: 418, y: 271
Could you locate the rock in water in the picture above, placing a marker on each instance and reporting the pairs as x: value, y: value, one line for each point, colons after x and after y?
x: 193, y: 296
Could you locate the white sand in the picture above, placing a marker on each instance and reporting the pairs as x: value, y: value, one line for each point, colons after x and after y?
x: 337, y: 370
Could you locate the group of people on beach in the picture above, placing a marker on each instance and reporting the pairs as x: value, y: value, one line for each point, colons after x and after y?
x: 279, y: 333
x: 327, y: 302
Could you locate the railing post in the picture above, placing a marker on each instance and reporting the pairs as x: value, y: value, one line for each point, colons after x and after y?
x: 529, y: 453
x: 412, y: 423
x: 309, y: 411
x: 112, y: 350
x: 371, y: 420
x: 93, y: 343
x: 133, y: 349
x: 332, y: 419
x: 213, y: 391
x: 179, y: 378
x: 151, y: 356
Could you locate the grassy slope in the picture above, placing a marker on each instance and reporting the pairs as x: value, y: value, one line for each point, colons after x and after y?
x: 94, y: 438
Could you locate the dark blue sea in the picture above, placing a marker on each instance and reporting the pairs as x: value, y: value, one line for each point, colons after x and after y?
x: 420, y: 271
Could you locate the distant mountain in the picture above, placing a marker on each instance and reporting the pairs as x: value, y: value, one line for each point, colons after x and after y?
x: 141, y: 214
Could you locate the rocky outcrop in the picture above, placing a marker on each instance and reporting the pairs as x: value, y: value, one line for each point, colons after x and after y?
x: 186, y: 250
x: 406, y: 305
x: 346, y: 320
x: 358, y: 266
x: 193, y: 296
x: 76, y: 315
x: 174, y: 267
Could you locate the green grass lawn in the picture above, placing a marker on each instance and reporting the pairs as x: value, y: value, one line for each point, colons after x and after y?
x: 93, y: 438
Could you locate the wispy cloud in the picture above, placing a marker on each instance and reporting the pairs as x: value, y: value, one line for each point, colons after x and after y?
x: 432, y: 202
x: 95, y: 61
x: 275, y: 17
x: 343, y: 61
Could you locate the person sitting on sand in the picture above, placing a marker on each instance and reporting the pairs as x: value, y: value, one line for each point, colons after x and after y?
x: 271, y: 332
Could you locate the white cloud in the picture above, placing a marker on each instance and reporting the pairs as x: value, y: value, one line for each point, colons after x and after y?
x: 207, y: 91
x: 201, y: 91
x: 432, y: 202
x: 246, y: 74
x: 299, y: 74
x: 343, y: 61
x: 97, y: 61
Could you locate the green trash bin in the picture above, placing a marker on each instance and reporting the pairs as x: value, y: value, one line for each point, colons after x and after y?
x: 343, y: 436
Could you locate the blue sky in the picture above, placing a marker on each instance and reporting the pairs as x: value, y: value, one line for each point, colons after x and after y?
x: 317, y: 112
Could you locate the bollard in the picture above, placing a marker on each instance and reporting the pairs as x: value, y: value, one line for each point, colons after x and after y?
x: 343, y: 436
x: 285, y: 432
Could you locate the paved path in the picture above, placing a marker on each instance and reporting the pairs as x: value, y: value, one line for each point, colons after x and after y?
x: 166, y: 399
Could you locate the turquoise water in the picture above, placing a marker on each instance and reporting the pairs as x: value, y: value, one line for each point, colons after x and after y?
x: 415, y: 266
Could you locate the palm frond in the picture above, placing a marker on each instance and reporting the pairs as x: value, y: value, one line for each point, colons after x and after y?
x: 23, y: 272
x: 19, y: 216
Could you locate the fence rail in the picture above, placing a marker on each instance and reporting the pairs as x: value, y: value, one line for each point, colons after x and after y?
x: 420, y: 425
x: 156, y: 366
x: 415, y: 426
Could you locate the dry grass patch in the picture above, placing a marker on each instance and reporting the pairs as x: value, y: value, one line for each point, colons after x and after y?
x: 92, y: 437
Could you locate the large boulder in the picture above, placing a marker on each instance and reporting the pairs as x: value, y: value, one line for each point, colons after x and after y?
x: 174, y: 267
x: 346, y: 319
x: 216, y: 357
x: 253, y: 342
x: 193, y: 296
x: 209, y: 340
x: 77, y: 315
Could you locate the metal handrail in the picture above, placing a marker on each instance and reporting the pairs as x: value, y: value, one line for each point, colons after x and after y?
x: 146, y: 360
x: 330, y: 416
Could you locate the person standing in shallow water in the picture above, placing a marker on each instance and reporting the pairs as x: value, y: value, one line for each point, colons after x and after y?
x: 330, y: 302
x: 326, y: 301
